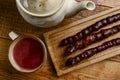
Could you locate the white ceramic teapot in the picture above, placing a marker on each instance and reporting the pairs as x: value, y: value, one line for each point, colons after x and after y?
x: 47, y: 13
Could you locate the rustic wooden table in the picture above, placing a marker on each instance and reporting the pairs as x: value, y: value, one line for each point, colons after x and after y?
x: 10, y: 20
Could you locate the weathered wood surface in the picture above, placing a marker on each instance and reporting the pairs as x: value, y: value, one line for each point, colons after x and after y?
x: 10, y: 20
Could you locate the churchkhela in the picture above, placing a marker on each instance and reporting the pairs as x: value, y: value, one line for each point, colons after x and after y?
x: 102, y: 34
x: 92, y: 51
x: 92, y: 28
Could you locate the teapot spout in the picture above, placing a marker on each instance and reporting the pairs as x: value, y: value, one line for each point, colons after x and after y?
x: 74, y: 7
x: 89, y: 5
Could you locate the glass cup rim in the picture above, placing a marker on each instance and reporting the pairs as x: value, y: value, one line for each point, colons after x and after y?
x: 14, y: 63
x: 39, y: 15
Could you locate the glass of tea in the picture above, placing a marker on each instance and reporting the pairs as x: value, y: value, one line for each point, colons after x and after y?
x: 27, y: 53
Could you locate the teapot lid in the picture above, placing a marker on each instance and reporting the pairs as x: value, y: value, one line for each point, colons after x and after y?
x: 41, y: 7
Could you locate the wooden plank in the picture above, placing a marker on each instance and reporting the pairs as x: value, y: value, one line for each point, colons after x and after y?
x: 54, y: 37
x: 110, y: 3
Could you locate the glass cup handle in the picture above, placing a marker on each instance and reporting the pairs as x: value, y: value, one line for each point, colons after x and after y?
x: 13, y: 35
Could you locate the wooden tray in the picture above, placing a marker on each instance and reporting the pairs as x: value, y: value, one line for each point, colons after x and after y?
x: 53, y: 39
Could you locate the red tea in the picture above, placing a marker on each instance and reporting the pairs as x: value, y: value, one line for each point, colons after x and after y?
x: 28, y: 53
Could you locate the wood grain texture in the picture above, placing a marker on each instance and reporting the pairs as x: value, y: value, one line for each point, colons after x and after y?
x: 10, y: 19
x: 111, y: 3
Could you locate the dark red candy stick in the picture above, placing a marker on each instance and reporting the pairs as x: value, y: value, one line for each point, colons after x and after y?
x: 94, y: 27
x: 90, y: 52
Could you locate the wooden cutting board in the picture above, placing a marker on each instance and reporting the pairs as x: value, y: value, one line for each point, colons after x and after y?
x: 53, y: 39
